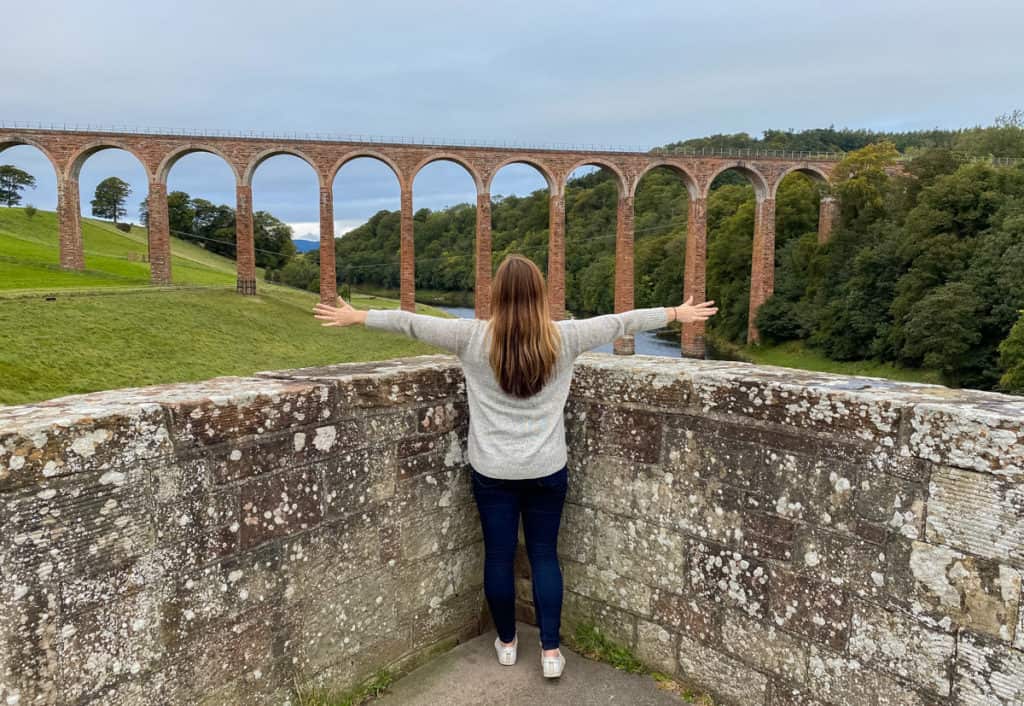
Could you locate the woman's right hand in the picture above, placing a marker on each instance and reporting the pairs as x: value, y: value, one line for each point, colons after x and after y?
x: 688, y: 312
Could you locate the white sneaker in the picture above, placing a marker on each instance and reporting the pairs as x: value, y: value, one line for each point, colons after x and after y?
x: 552, y: 666
x: 506, y: 654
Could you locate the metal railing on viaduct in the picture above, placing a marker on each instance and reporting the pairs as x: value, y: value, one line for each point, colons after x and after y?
x: 158, y: 151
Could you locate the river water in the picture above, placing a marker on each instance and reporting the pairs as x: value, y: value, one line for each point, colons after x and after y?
x: 645, y: 342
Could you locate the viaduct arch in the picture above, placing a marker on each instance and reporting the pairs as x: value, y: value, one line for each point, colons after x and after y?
x: 158, y: 152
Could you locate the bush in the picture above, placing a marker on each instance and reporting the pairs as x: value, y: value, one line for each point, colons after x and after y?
x: 777, y: 321
x: 1011, y: 359
x: 30, y: 210
x: 126, y: 227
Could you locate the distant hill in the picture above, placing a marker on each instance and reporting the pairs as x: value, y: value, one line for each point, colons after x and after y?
x: 306, y: 245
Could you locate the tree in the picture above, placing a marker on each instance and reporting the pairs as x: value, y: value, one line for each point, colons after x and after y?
x: 12, y: 181
x: 1011, y: 358
x: 273, y: 241
x: 111, y: 193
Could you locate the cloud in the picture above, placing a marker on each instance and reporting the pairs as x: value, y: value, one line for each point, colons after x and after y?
x: 311, y: 230
x: 600, y: 72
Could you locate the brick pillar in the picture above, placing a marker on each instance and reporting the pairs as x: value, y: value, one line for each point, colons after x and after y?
x: 245, y: 253
x: 482, y: 291
x: 624, y: 269
x: 328, y: 272
x: 72, y: 255
x: 828, y: 213
x: 556, y: 255
x: 694, y: 277
x: 762, y: 266
x: 407, y: 255
x: 159, y: 231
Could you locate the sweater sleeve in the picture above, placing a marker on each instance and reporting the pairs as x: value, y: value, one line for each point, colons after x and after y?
x: 584, y: 334
x: 450, y: 334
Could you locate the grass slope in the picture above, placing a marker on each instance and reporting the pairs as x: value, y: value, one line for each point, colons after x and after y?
x: 107, y: 328
x: 30, y: 256
x: 86, y: 342
x: 795, y: 354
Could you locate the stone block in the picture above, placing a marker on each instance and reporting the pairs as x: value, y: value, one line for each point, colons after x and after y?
x: 676, y: 500
x: 640, y: 381
x: 818, y: 403
x: 578, y: 610
x: 949, y: 589
x: 605, y: 483
x: 656, y: 646
x: 627, y: 433
x: 642, y: 551
x: 837, y: 679
x: 697, y: 618
x: 727, y: 679
x: 355, y: 480
x: 728, y: 577
x: 988, y: 672
x: 97, y: 433
x: 808, y: 607
x: 902, y: 646
x: 765, y: 647
x: 280, y: 504
x: 606, y: 586
x: 245, y: 407
x: 984, y: 432
x: 850, y: 563
x: 977, y: 512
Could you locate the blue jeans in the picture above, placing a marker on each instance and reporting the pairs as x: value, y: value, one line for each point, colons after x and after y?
x: 540, y: 501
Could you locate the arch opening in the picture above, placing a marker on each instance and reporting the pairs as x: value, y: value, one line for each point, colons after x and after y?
x: 367, y: 227
x: 201, y: 210
x: 32, y: 160
x: 28, y: 219
x: 592, y: 193
x: 520, y: 213
x: 661, y: 220
x: 98, y: 164
x: 732, y: 202
x: 285, y: 198
x: 444, y: 219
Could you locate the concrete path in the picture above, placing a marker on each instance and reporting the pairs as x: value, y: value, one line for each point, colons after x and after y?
x: 470, y: 674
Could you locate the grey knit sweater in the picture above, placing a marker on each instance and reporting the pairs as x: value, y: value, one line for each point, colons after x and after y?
x: 511, y: 437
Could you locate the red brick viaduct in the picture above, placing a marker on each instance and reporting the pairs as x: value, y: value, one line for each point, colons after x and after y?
x: 67, y: 150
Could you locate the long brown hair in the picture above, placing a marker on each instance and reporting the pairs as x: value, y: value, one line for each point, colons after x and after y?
x: 524, y: 341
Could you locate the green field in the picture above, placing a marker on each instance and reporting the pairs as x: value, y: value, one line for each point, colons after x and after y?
x: 68, y: 332
x: 794, y: 354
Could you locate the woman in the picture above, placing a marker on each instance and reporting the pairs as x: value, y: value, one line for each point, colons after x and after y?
x: 518, y: 366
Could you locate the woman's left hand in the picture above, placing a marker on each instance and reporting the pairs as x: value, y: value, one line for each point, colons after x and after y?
x: 341, y: 315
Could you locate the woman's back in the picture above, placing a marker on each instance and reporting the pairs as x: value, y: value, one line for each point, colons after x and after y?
x: 513, y: 437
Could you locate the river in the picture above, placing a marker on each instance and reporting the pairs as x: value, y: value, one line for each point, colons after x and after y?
x: 645, y: 342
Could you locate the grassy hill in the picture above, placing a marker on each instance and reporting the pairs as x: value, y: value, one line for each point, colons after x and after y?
x: 69, y: 332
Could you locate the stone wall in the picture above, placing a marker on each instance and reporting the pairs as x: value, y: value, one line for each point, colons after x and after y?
x: 794, y: 539
x: 216, y: 542
x: 779, y: 538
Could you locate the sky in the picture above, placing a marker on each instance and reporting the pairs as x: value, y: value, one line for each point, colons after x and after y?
x: 641, y: 73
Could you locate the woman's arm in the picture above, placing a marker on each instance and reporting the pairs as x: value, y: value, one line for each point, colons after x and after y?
x: 598, y: 330
x: 450, y: 334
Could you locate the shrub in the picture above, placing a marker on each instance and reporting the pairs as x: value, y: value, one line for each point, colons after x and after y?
x: 126, y: 227
x: 1011, y: 359
x: 30, y: 210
